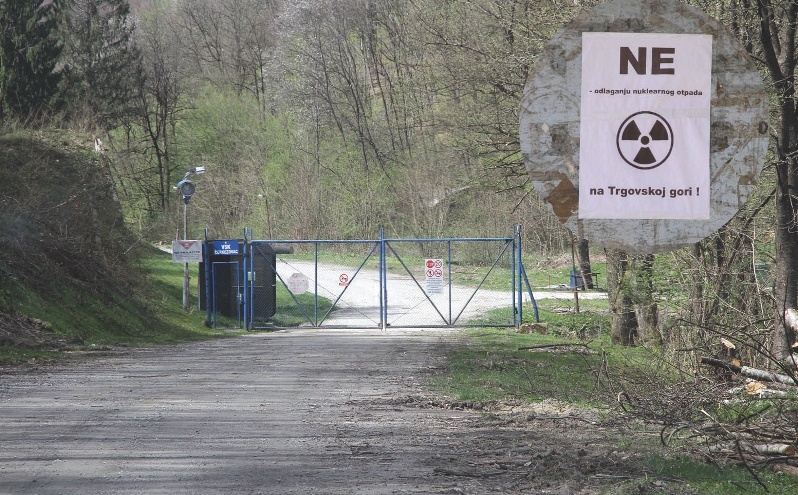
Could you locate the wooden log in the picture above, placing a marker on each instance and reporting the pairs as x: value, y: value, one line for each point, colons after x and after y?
x: 775, y: 449
x: 549, y: 346
x: 761, y: 375
x: 768, y: 449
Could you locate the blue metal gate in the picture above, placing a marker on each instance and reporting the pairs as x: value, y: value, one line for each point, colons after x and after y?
x: 380, y: 283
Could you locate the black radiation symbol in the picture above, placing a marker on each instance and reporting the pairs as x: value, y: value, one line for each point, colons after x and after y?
x: 645, y: 140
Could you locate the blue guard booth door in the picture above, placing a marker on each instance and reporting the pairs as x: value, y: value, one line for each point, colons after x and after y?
x: 221, y: 277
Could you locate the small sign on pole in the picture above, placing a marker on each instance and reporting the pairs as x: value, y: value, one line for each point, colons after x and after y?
x: 433, y: 269
x: 298, y: 283
x: 186, y: 251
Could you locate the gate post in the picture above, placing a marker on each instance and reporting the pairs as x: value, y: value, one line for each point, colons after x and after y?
x: 245, y: 295
x: 383, y: 283
x: 519, y: 314
x: 207, y: 264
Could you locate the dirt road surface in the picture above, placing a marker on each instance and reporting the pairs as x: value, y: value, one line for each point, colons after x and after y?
x: 297, y: 412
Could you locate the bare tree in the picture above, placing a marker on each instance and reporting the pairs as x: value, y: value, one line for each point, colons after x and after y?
x: 144, y: 162
x: 767, y: 30
x: 230, y: 42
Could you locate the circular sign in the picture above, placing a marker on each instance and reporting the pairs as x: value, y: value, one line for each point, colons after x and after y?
x: 645, y: 140
x: 298, y: 283
x: 551, y: 121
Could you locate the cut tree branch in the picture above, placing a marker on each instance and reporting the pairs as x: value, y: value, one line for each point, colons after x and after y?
x: 761, y: 375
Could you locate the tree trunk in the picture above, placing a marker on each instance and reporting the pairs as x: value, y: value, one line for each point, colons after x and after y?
x: 786, y: 274
x: 697, y: 297
x: 645, y: 305
x: 624, y: 320
x: 583, y: 250
x: 777, y: 52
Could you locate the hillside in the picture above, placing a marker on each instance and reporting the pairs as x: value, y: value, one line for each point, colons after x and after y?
x: 65, y: 263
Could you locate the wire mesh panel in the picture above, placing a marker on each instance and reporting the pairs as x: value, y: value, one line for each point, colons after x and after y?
x: 448, y: 282
x: 261, y: 285
x: 326, y: 283
x: 379, y: 283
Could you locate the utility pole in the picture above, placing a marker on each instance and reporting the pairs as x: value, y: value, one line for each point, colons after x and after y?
x: 187, y: 189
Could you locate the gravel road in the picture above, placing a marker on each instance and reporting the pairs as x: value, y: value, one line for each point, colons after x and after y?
x: 295, y: 412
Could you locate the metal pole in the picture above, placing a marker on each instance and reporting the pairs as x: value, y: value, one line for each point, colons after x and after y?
x: 449, y: 275
x: 315, y: 284
x: 518, y: 269
x: 186, y: 303
x: 383, y: 283
x: 207, y: 262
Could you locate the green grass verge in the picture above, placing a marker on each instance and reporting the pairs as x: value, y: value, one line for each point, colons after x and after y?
x: 714, y: 480
x: 492, y: 367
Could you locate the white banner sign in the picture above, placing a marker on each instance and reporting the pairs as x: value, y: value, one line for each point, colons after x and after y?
x: 433, y: 271
x: 644, y: 135
x: 186, y: 251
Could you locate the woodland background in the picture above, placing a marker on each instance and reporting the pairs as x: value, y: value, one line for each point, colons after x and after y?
x: 333, y: 118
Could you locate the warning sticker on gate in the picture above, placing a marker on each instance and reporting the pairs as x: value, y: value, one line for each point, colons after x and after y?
x: 433, y: 268
x: 644, y: 126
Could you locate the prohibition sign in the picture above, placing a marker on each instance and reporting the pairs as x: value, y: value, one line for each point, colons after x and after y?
x: 645, y: 140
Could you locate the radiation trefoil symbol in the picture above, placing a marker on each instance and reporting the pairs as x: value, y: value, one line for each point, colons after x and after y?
x: 645, y: 140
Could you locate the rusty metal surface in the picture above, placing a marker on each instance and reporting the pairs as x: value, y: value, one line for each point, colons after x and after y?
x: 549, y: 125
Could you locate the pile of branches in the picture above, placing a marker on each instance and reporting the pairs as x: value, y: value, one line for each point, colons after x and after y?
x: 725, y: 412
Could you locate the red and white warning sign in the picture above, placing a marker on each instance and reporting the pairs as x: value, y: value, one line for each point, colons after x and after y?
x: 343, y: 280
x: 433, y: 269
x: 186, y: 252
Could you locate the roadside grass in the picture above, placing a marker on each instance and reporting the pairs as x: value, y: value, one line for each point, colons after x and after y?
x: 17, y: 354
x: 149, y: 315
x: 717, y: 480
x: 566, y: 365
x: 575, y: 371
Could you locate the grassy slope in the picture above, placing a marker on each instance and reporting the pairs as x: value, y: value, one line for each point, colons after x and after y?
x: 66, y: 257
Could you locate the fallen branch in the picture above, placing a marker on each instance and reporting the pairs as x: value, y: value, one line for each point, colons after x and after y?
x: 770, y: 449
x: 546, y: 346
x: 761, y: 375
